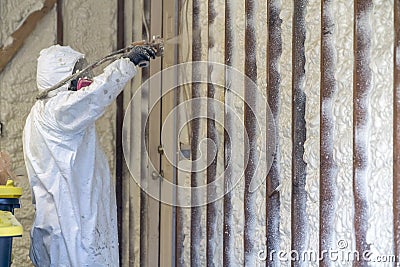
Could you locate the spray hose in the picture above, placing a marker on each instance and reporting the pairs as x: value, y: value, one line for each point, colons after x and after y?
x: 157, y: 44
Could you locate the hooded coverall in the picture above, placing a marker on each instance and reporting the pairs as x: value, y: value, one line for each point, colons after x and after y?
x: 76, y: 221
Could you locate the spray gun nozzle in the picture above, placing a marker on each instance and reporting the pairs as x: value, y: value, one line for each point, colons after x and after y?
x: 158, y: 45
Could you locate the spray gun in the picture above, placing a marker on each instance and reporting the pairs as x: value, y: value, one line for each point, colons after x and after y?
x: 157, y: 43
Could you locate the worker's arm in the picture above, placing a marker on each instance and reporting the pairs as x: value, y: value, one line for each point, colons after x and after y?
x: 79, y: 109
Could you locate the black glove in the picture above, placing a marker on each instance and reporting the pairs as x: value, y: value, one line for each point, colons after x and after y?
x: 142, y: 54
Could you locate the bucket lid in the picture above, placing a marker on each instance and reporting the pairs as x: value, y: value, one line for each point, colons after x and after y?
x: 10, y: 191
x: 9, y: 226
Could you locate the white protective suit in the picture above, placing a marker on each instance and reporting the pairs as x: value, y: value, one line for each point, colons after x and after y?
x: 76, y: 218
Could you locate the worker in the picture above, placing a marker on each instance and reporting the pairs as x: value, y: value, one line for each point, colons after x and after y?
x: 75, y: 219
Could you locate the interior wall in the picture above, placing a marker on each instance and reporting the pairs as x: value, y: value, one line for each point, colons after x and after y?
x: 93, y: 31
x: 379, y: 177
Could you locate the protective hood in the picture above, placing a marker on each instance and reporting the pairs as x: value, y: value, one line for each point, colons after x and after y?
x: 55, y: 64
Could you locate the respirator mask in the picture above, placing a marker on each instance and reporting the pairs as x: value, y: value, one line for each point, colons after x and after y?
x: 84, y: 79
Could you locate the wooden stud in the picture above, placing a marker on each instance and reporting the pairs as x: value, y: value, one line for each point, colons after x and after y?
x: 274, y: 51
x: 250, y: 149
x: 228, y: 241
x: 195, y: 224
x: 299, y: 194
